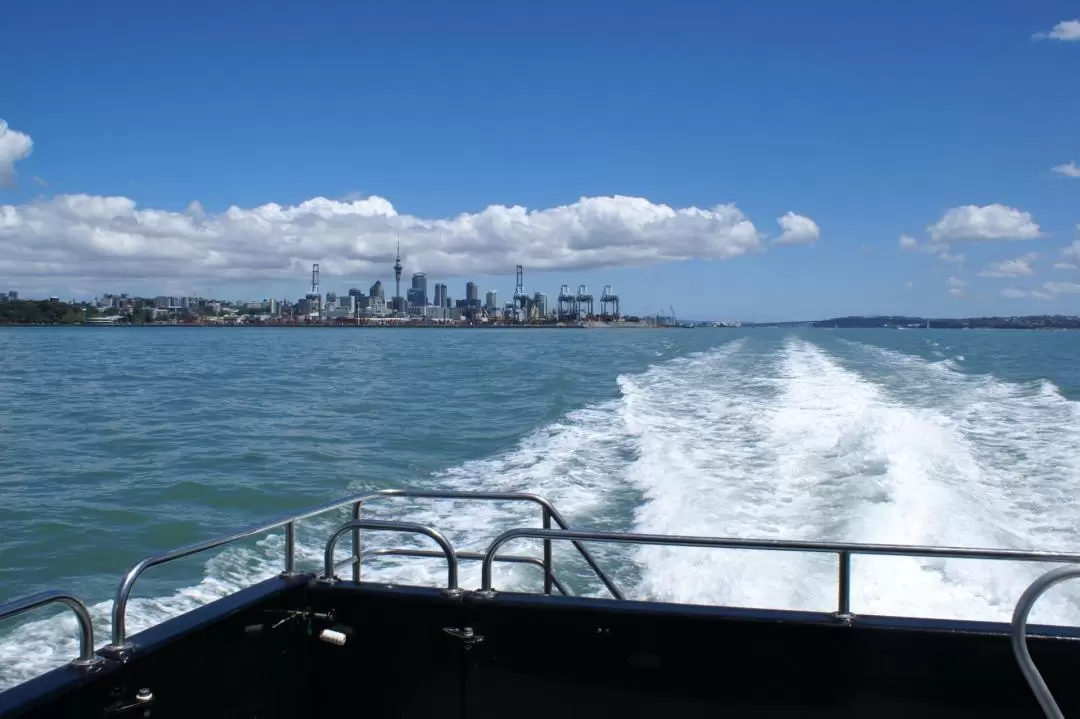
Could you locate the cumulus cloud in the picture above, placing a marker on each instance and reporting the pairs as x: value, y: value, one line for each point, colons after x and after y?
x: 797, y: 229
x: 937, y: 248
x: 103, y: 237
x: 956, y: 286
x: 989, y: 222
x: 1019, y: 267
x: 1066, y: 31
x: 1069, y: 170
x: 1064, y: 266
x: 14, y: 146
x: 1062, y: 288
x: 1073, y: 250
x: 1014, y: 293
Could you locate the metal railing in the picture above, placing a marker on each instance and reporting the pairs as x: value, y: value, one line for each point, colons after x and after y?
x: 22, y: 605
x: 1019, y: 636
x: 119, y: 644
x: 548, y: 514
x: 382, y: 526
x: 843, y: 550
x: 123, y: 593
x: 473, y: 556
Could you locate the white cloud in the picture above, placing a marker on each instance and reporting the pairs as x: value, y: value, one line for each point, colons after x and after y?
x: 1013, y: 293
x: 1064, y: 266
x: 103, y: 237
x: 939, y: 249
x: 797, y: 229
x: 1066, y: 30
x: 990, y: 222
x: 1019, y: 267
x: 1069, y: 170
x: 1062, y: 288
x: 956, y: 286
x: 1073, y: 250
x: 14, y: 146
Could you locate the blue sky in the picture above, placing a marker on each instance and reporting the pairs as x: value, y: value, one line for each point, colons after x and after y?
x: 871, y: 118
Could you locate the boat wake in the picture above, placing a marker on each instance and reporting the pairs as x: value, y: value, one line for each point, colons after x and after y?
x: 760, y: 437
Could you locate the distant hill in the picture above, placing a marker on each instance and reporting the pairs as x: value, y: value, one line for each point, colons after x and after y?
x: 1028, y: 322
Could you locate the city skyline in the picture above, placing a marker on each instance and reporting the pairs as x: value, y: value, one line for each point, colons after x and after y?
x: 766, y: 161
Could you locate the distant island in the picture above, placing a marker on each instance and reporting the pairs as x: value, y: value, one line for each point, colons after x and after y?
x: 1027, y: 322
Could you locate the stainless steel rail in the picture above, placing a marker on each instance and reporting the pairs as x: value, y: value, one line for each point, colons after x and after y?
x: 843, y: 550
x: 548, y: 513
x: 119, y: 644
x: 382, y: 526
x: 22, y: 605
x: 1019, y: 636
x: 475, y: 556
x: 119, y: 610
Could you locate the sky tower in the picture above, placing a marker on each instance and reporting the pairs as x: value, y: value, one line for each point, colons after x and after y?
x: 397, y: 278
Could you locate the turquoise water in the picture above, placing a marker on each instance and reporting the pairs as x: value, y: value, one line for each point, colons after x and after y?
x: 118, y: 443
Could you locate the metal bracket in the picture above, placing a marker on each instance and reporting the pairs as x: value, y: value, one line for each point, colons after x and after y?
x: 466, y: 634
x: 141, y: 703
x: 118, y: 653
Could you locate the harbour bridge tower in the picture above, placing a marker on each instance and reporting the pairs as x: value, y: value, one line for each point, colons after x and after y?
x: 584, y: 302
x: 566, y: 303
x: 609, y: 304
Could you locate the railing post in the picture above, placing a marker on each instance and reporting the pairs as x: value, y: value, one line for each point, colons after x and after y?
x: 356, y: 543
x: 843, y: 610
x: 290, y: 548
x: 87, y: 659
x: 548, y: 569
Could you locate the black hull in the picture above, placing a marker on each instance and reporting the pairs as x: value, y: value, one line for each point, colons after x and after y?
x: 544, y: 656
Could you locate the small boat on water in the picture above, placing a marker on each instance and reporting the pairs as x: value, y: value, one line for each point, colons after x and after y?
x: 319, y: 644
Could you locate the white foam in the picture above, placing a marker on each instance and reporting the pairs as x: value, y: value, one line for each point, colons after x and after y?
x: 750, y: 439
x: 845, y: 461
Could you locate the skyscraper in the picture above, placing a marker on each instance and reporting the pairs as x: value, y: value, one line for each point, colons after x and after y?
x: 491, y: 301
x: 377, y: 290
x: 419, y: 285
x: 440, y: 295
x: 540, y: 300
x: 471, y: 293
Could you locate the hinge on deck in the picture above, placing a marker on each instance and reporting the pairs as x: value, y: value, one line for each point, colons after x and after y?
x: 466, y: 634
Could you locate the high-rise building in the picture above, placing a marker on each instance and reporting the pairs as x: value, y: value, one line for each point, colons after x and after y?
x: 419, y: 287
x: 540, y: 300
x: 415, y: 298
x: 471, y: 293
x: 377, y: 290
x: 491, y: 301
x: 12, y: 295
x: 440, y: 295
